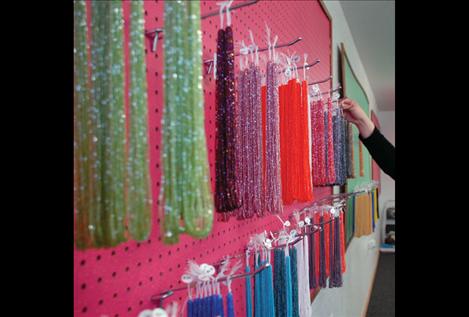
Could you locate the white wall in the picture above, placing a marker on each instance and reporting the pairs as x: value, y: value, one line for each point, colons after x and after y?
x: 387, y: 121
x: 351, y: 300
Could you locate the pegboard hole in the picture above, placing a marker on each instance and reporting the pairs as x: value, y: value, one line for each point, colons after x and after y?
x: 83, y: 286
x: 82, y: 262
x: 114, y: 274
x: 100, y: 279
x: 113, y: 253
x: 127, y: 269
x: 84, y: 310
x: 98, y: 258
x: 100, y: 302
x: 114, y: 295
x: 128, y: 289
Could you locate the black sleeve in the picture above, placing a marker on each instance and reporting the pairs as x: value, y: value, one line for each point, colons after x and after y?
x: 382, y: 151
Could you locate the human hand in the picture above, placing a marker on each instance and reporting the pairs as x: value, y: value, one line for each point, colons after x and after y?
x: 355, y: 114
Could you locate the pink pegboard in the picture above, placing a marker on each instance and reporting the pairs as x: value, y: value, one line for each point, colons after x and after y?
x: 120, y: 281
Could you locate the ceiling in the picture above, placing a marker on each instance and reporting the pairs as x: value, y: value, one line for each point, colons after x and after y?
x: 372, y: 27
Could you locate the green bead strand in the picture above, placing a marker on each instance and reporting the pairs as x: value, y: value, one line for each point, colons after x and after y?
x: 116, y: 132
x: 139, y: 187
x: 186, y: 196
x: 84, y: 218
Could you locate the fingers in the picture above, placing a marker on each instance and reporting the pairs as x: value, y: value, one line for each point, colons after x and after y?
x: 347, y: 103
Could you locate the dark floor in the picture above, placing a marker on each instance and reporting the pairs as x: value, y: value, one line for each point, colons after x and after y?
x: 383, y: 293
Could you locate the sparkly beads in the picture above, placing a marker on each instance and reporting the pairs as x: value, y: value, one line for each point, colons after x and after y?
x: 330, y: 166
x: 186, y: 198
x: 226, y: 196
x: 110, y: 186
x: 340, y: 163
x: 249, y: 143
x: 83, y: 137
x: 318, y: 143
x: 350, y: 149
x: 107, y: 111
x: 273, y: 182
x: 295, y: 143
x: 139, y: 198
x: 329, y: 145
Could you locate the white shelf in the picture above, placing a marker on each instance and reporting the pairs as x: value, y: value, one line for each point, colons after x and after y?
x: 388, y: 250
x: 384, y: 223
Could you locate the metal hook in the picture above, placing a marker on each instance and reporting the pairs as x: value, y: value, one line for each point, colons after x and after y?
x: 329, y: 91
x: 293, y: 42
x: 235, y: 7
x: 155, y: 39
x: 321, y: 81
x: 157, y: 300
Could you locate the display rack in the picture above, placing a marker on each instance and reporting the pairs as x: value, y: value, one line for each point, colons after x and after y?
x: 388, y: 227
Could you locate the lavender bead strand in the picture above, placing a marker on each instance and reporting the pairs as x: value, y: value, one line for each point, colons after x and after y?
x: 241, y: 169
x: 256, y: 148
x: 326, y: 149
x: 247, y: 133
x: 273, y: 189
x: 337, y: 148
